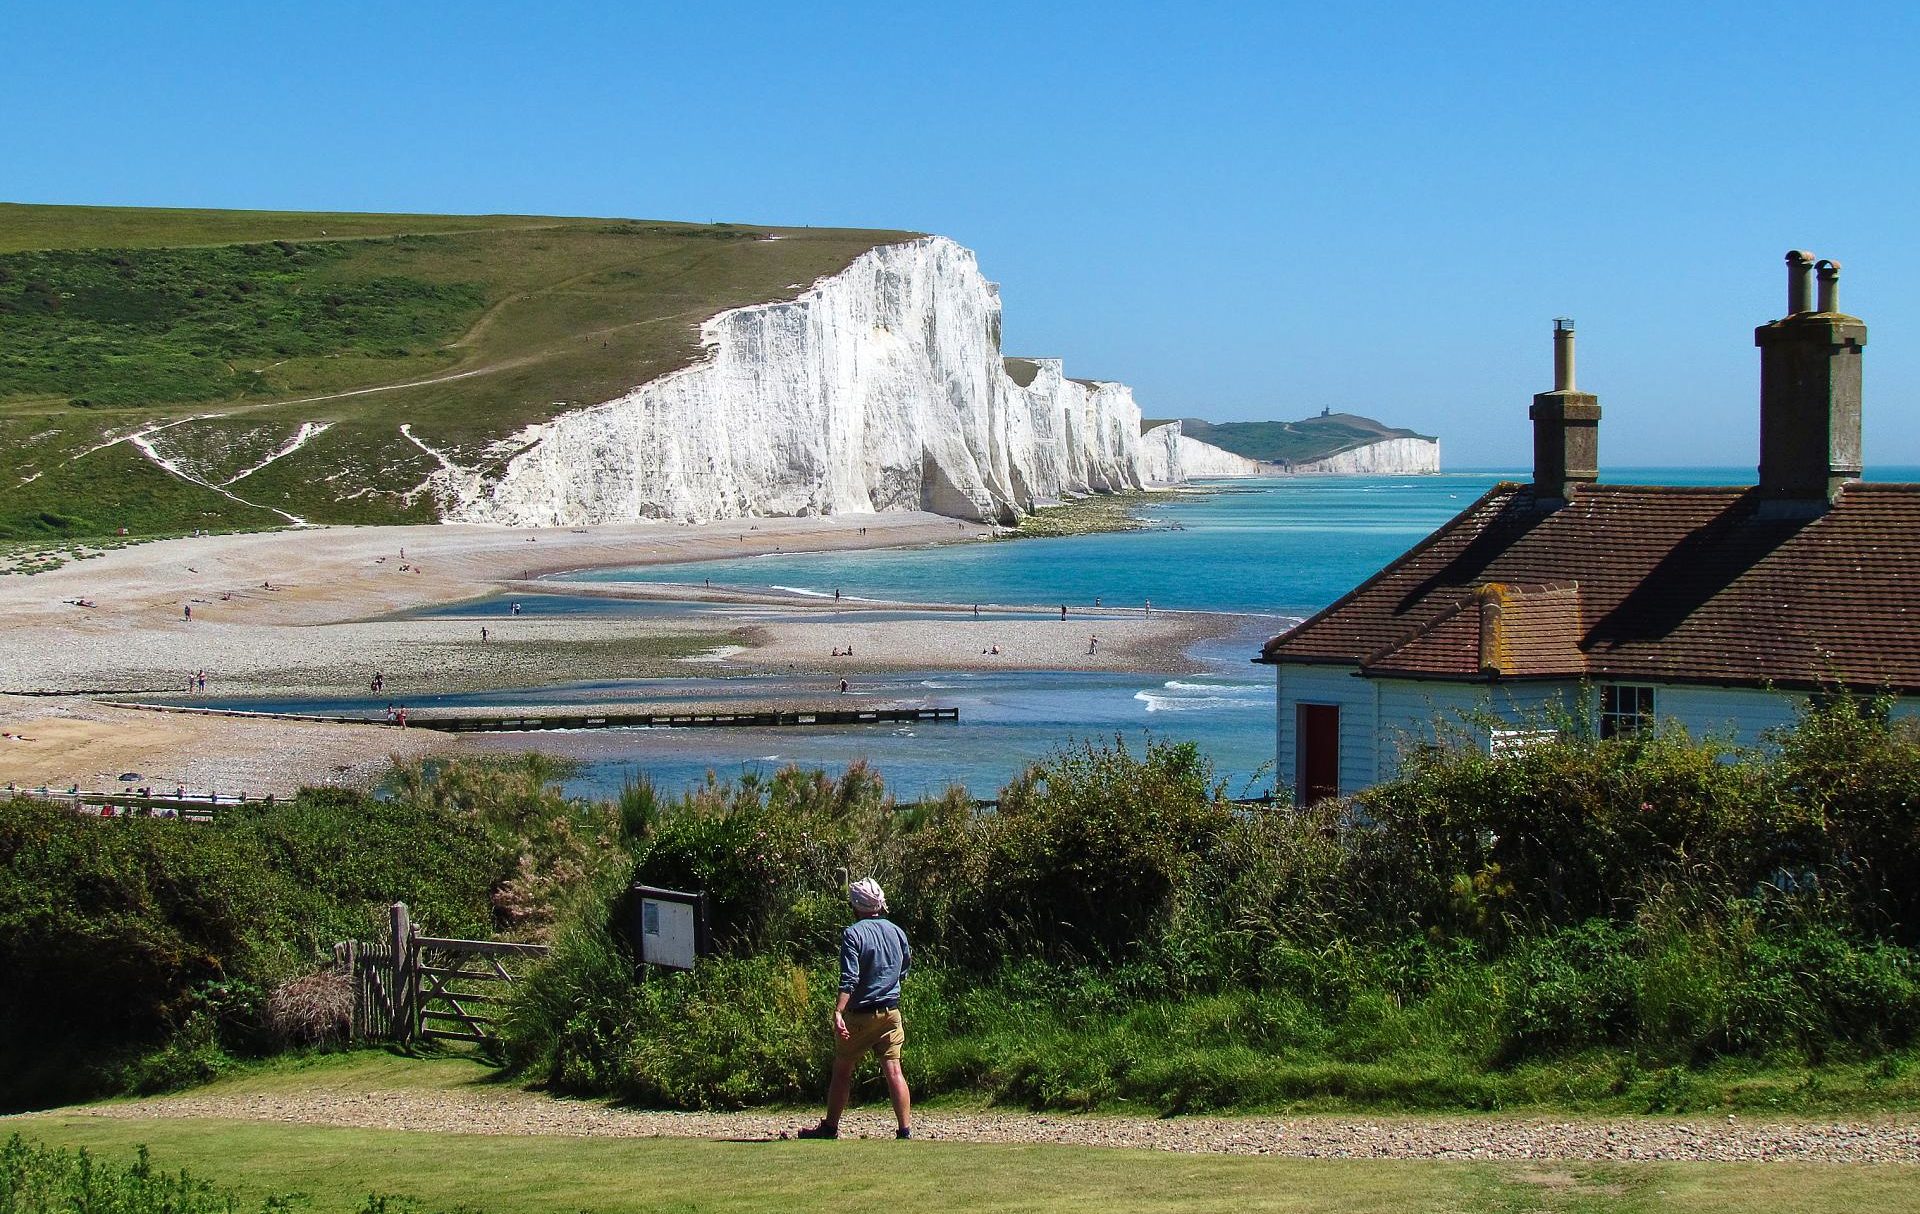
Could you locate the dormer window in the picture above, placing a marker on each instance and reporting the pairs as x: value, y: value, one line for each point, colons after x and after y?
x: 1625, y: 708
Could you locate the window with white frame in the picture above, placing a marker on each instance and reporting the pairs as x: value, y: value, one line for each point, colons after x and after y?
x: 1515, y: 741
x: 1625, y: 708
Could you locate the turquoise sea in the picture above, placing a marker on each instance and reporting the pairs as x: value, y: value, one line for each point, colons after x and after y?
x: 1269, y: 551
x: 1284, y: 547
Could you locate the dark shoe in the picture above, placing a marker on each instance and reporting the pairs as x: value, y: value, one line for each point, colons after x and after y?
x: 823, y: 1130
x: 903, y: 1132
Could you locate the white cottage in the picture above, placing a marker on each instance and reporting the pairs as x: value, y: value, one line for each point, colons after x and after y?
x: 1721, y: 608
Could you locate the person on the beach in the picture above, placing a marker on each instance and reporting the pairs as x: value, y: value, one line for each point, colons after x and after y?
x: 483, y: 634
x: 1063, y: 613
x: 186, y: 611
x: 874, y: 957
x: 843, y: 687
x: 1149, y: 608
x: 1093, y: 643
x: 836, y: 594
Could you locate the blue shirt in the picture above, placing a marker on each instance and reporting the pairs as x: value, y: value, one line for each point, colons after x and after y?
x: 873, y: 958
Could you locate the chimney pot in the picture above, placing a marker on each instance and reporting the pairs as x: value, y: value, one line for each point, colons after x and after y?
x: 1563, y: 354
x: 1829, y: 274
x: 1799, y: 282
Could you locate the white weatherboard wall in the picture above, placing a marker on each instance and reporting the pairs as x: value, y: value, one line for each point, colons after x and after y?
x: 1380, y: 718
x: 881, y: 387
x: 1339, y: 685
x: 1413, y: 711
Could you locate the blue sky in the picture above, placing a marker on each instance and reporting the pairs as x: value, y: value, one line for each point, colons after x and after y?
x: 1243, y: 211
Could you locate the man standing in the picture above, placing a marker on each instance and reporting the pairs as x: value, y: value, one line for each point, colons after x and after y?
x: 874, y: 956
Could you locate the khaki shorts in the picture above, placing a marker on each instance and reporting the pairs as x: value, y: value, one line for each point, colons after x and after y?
x: 882, y: 1032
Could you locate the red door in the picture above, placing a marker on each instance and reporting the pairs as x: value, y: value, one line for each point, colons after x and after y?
x: 1317, y: 757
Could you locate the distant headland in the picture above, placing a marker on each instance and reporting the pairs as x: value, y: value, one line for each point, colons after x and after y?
x: 1326, y: 443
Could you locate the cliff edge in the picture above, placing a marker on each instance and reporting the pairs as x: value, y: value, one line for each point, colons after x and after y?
x: 882, y: 387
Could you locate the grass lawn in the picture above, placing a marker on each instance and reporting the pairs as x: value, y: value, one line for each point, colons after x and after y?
x: 234, y: 329
x: 339, y: 1168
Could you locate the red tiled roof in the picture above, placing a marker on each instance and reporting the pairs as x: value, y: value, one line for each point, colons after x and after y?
x: 1669, y: 584
x: 1495, y: 629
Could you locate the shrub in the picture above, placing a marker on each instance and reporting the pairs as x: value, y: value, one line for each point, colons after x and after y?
x: 1571, y: 989
x: 1113, y: 929
x: 314, y: 1009
x: 140, y: 952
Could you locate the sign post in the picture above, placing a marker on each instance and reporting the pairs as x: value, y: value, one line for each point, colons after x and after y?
x: 668, y: 926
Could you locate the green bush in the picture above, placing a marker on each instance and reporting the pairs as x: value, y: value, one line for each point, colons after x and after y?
x: 139, y: 951
x: 1572, y: 989
x: 1583, y: 920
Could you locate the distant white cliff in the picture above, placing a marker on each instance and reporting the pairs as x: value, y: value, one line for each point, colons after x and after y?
x: 1388, y: 457
x: 1170, y: 457
x: 881, y: 387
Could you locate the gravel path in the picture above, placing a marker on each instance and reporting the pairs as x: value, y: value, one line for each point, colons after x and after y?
x: 1717, y: 1138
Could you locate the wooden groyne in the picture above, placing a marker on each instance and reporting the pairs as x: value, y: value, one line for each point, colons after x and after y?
x: 528, y: 722
x: 683, y: 720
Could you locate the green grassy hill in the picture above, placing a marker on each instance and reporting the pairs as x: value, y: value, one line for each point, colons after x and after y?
x: 154, y: 364
x: 1294, y: 442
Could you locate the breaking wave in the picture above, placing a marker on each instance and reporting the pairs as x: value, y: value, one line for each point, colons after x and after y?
x: 1176, y: 695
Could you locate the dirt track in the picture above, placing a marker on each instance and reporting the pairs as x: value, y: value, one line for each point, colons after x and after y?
x: 1706, y: 1137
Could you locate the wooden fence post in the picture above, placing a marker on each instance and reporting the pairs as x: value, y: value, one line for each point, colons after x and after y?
x: 401, y: 991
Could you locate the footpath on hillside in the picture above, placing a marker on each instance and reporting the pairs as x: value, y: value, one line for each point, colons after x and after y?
x: 509, y: 1111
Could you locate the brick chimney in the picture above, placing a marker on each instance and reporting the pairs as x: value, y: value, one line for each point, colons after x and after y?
x: 1566, y: 427
x: 1810, y: 388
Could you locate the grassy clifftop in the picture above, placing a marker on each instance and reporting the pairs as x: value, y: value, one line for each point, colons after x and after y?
x: 1292, y: 442
x: 164, y: 370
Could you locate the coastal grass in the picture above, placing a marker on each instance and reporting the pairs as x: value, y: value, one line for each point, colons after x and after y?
x: 142, y: 953
x: 1641, y: 924
x: 337, y: 1169
x: 233, y: 329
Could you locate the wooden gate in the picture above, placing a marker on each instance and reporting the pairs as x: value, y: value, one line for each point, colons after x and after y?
x: 411, y: 986
x: 452, y: 981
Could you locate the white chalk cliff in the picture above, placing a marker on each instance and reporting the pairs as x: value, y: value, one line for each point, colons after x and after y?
x: 1170, y: 457
x: 1388, y: 457
x: 879, y: 388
